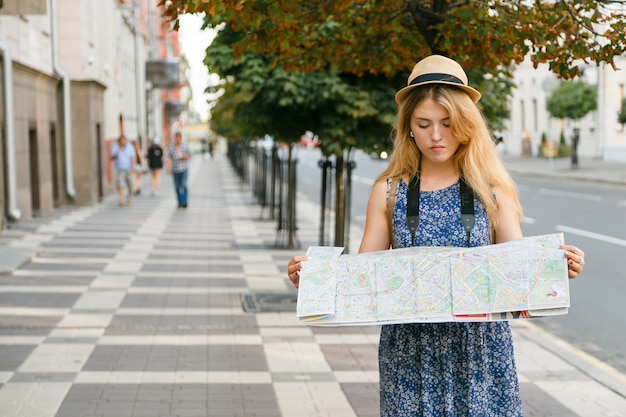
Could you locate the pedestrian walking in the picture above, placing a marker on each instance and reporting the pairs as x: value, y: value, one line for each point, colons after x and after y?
x: 125, y: 158
x: 155, y: 164
x: 444, y: 155
x: 137, y: 169
x: 178, y: 156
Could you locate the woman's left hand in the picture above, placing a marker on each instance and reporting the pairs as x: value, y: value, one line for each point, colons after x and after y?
x: 575, y: 260
x: 293, y: 269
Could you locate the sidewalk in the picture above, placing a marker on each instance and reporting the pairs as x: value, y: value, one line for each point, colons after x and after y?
x: 137, y: 311
x: 589, y: 169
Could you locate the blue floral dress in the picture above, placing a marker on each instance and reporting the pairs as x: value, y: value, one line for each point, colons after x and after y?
x: 446, y: 369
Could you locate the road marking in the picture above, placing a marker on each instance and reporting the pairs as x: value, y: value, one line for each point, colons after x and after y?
x: 592, y: 235
x: 529, y: 220
x: 570, y: 194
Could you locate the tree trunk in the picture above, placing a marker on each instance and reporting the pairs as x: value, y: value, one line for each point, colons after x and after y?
x: 426, y: 16
x: 340, y: 202
x: 325, y: 166
x: 350, y: 165
x: 291, y: 200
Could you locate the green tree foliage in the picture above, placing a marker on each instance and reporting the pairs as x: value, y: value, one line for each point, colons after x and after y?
x: 572, y: 100
x: 344, y: 110
x: 223, y: 115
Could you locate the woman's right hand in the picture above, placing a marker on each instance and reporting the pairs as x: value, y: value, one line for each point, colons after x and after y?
x: 293, y: 269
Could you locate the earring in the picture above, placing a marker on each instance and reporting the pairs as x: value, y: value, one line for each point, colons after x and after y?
x: 411, y: 134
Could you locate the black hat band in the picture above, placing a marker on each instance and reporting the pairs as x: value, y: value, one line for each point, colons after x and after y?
x: 436, y: 77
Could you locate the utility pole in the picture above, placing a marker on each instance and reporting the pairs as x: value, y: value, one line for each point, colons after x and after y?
x: 139, y: 79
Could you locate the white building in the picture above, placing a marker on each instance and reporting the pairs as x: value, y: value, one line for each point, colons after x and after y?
x: 601, y: 136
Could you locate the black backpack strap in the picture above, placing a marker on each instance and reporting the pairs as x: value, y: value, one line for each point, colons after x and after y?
x: 392, y: 196
x: 467, y: 209
x: 413, y: 205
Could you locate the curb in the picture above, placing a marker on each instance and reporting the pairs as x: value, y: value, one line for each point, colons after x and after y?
x: 566, y: 177
x: 587, y: 364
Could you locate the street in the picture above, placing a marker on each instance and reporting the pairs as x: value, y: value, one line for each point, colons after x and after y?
x: 591, y: 216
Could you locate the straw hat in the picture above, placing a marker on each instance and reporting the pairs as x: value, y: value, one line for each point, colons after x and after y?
x: 437, y: 69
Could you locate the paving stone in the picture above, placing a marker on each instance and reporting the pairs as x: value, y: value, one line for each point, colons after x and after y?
x: 12, y: 356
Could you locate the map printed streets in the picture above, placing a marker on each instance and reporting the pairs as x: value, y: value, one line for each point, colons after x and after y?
x: 518, y: 279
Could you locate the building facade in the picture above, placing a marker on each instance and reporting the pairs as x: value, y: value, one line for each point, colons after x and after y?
x: 73, y: 80
x: 601, y: 136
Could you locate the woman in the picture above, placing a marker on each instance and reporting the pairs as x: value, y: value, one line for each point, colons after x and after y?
x: 442, y: 149
x: 155, y: 163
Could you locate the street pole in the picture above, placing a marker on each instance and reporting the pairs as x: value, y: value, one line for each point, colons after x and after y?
x: 139, y: 77
x: 600, y: 123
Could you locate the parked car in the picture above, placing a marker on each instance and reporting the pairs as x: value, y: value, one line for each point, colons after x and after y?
x: 309, y: 141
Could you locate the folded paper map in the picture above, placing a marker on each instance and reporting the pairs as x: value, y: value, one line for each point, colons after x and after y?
x: 519, y: 279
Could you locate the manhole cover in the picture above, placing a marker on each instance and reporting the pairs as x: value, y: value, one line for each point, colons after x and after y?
x: 268, y: 303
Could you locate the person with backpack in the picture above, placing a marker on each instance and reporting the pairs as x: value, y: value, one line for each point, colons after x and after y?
x: 444, y: 161
x: 155, y: 164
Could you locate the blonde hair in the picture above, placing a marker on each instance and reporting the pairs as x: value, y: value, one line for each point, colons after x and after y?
x: 476, y: 158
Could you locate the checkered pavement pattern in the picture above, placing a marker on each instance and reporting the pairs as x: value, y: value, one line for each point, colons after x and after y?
x: 137, y: 311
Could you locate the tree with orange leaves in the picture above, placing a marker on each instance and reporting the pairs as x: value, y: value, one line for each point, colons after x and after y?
x: 387, y: 36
